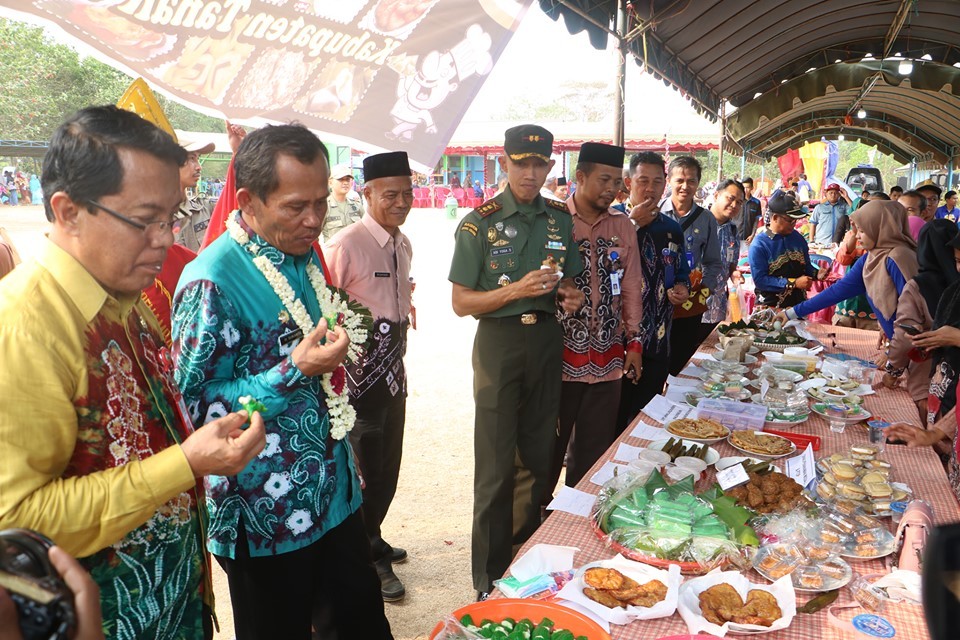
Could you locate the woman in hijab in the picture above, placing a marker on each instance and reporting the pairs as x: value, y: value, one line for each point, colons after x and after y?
x: 917, y: 308
x: 881, y: 273
x: 939, y: 428
x: 36, y: 194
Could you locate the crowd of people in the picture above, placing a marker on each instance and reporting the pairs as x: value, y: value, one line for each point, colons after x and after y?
x: 17, y: 189
x: 182, y: 405
x: 194, y: 388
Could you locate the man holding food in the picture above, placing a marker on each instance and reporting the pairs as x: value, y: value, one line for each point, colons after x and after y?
x: 601, y: 341
x: 98, y: 452
x: 779, y: 256
x: 512, y: 265
x: 253, y: 316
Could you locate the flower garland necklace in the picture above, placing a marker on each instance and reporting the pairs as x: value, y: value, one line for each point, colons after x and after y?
x: 333, y: 307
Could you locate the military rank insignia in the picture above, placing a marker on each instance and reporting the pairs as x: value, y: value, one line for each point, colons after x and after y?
x: 488, y: 207
x: 557, y: 204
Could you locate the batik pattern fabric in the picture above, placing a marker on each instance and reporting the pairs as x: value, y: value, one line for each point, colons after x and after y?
x: 597, y: 336
x: 662, y: 264
x: 232, y: 337
x: 593, y: 346
x: 373, y: 266
x: 729, y: 254
x: 380, y: 374
x: 88, y: 377
x: 151, y: 581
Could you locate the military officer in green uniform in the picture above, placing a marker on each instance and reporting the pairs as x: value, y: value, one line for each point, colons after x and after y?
x: 512, y: 265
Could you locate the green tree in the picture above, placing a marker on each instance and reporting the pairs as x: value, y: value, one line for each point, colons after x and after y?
x: 44, y: 82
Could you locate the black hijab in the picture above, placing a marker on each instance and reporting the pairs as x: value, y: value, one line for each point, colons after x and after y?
x: 935, y: 258
x: 946, y: 360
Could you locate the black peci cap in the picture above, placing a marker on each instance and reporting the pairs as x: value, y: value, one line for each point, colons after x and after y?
x: 386, y: 165
x: 599, y: 153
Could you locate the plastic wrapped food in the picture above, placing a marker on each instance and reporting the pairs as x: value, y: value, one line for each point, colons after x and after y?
x: 656, y: 522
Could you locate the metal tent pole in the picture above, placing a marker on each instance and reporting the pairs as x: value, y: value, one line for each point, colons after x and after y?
x: 621, y: 29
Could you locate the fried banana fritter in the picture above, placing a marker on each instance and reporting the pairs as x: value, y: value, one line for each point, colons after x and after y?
x: 603, y: 597
x: 761, y: 609
x: 627, y: 590
x: 721, y: 603
x: 600, y: 578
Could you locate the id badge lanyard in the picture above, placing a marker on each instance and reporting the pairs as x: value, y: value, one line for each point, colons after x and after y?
x: 690, y: 253
x: 616, y: 273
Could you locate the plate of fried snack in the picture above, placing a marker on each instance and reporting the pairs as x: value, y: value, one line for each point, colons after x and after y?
x: 724, y: 602
x: 698, y: 429
x: 768, y: 490
x: 763, y: 445
x: 619, y: 590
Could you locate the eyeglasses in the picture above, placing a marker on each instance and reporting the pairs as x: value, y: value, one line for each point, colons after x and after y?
x: 150, y: 228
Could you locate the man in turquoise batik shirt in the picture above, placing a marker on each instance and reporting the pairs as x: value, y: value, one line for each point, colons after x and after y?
x: 287, y: 529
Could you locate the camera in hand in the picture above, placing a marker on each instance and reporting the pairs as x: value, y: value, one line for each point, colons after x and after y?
x: 44, y: 603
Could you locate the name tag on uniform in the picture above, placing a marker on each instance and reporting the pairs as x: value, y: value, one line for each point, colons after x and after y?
x: 614, y: 283
x: 288, y: 341
x: 502, y: 251
x: 381, y: 274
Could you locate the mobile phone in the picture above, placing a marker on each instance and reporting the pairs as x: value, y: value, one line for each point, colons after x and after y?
x: 910, y: 329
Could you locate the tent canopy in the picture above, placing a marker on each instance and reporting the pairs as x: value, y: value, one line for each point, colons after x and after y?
x: 796, y: 70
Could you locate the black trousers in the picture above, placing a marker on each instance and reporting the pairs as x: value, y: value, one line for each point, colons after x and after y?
x: 588, y: 423
x: 684, y: 341
x: 706, y: 328
x: 377, y: 440
x: 634, y: 397
x: 274, y: 596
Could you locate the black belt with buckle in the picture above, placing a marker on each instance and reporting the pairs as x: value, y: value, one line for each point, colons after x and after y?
x: 529, y: 318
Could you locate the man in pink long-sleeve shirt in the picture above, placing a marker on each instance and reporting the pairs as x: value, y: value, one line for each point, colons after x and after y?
x: 371, y: 261
x: 601, y: 341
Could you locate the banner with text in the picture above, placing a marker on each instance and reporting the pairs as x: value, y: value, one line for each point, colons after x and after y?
x: 381, y: 74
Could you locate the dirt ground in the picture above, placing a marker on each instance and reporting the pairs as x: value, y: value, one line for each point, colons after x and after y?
x: 431, y: 514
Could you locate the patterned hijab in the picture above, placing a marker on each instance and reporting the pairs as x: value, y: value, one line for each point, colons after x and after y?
x: 886, y: 234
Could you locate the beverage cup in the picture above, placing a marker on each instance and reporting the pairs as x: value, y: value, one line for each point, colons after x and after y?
x: 878, y: 433
x: 836, y: 415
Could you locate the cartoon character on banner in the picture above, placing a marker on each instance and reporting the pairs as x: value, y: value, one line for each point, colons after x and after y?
x: 436, y: 77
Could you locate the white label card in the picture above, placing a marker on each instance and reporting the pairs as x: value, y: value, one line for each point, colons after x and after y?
x: 579, y: 503
x: 693, y: 371
x: 607, y: 472
x: 627, y: 452
x: 802, y: 468
x: 673, y: 381
x: 646, y: 432
x: 664, y: 411
x: 732, y: 476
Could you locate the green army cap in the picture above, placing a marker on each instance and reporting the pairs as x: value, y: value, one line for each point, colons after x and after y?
x: 528, y: 140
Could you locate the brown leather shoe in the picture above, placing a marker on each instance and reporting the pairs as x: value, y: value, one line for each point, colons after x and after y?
x: 391, y: 588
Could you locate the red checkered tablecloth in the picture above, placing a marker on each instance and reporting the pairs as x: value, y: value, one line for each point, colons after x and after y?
x: 920, y: 468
